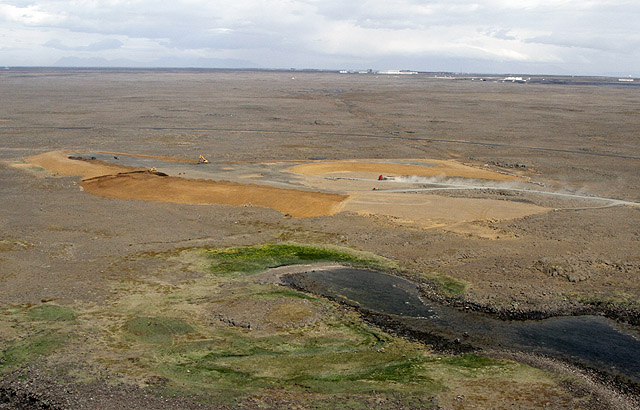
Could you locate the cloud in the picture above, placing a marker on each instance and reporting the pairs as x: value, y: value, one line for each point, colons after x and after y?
x: 578, y: 36
x: 106, y: 44
x: 29, y: 15
x: 166, y: 62
x: 500, y: 33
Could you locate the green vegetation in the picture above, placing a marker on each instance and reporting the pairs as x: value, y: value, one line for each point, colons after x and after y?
x: 448, y: 285
x: 157, y: 329
x: 33, y: 332
x: 22, y: 351
x: 257, y: 258
x: 472, y: 361
x: 348, y: 358
x: 226, y: 337
x: 51, y: 313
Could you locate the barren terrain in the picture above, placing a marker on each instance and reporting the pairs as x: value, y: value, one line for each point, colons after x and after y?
x: 523, y: 196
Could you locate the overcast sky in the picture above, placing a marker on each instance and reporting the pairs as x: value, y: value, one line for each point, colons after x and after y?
x: 482, y: 36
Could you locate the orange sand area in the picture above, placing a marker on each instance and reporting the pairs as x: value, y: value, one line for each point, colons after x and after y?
x: 438, y: 169
x: 148, y: 186
x: 116, y: 181
x: 423, y: 211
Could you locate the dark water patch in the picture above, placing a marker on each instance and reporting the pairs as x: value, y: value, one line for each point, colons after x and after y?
x: 592, y: 340
x: 370, y: 290
x: 395, y: 303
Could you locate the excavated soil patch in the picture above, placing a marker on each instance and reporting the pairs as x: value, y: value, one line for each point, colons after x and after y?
x: 367, y: 196
x: 59, y: 163
x: 425, y: 211
x: 116, y: 181
x: 435, y: 211
x: 432, y: 168
x: 148, y: 186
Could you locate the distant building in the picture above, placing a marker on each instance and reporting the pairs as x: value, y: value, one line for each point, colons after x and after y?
x: 514, y: 80
x: 397, y: 72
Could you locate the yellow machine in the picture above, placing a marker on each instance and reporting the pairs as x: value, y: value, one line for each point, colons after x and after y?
x: 203, y: 160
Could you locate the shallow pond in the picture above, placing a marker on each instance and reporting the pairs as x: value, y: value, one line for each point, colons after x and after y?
x: 594, y: 341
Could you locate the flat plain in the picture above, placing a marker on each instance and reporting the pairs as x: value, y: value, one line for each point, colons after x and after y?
x: 111, y: 292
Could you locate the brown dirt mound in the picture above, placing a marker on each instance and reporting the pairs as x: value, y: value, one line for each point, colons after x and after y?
x: 432, y: 168
x: 148, y: 186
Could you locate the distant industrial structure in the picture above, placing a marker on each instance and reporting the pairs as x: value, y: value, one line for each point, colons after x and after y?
x: 383, y: 72
x: 398, y: 72
x: 514, y: 80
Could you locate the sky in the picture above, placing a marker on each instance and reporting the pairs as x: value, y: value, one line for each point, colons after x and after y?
x: 571, y: 37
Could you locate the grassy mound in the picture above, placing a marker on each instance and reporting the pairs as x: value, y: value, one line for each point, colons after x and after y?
x: 447, y: 285
x: 51, y: 313
x: 258, y: 258
x: 157, y: 329
x: 332, y: 358
x: 23, y: 351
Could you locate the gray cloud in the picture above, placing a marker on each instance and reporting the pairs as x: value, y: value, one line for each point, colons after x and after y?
x: 164, y: 62
x: 568, y: 35
x: 106, y: 44
x: 502, y: 33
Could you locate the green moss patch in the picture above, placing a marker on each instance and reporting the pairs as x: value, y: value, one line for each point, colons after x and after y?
x: 472, y: 361
x: 23, y: 351
x: 157, y: 329
x: 51, y: 313
x: 345, y: 361
x: 448, y: 285
x: 258, y: 258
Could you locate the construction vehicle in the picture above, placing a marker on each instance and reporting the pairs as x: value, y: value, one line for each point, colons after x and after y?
x: 203, y: 160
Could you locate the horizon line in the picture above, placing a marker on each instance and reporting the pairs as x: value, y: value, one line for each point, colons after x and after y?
x: 317, y: 70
